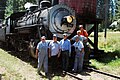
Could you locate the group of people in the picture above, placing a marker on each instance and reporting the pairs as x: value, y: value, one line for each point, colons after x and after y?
x: 55, y: 49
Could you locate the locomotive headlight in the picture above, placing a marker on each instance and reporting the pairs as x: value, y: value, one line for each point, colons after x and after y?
x: 69, y: 19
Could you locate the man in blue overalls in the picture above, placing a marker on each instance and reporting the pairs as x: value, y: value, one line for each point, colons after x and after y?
x: 79, y: 49
x: 42, y: 55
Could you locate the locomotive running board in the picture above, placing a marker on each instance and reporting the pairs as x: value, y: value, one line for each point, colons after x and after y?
x: 28, y: 26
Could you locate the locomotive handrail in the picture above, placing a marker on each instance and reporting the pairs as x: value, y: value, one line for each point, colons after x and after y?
x: 28, y: 26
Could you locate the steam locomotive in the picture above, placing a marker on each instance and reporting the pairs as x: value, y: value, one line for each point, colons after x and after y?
x: 22, y: 30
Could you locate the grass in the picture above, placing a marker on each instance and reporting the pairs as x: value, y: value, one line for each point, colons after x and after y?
x: 111, y: 67
x: 112, y: 42
x: 110, y: 61
x: 16, y: 69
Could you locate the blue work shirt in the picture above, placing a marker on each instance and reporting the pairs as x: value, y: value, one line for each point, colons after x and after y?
x: 54, y: 47
x: 65, y: 45
x: 79, y: 45
x: 81, y: 38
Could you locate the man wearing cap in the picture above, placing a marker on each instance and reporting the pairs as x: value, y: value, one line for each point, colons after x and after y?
x: 42, y: 55
x: 79, y: 56
x: 83, y: 32
x: 65, y: 51
x: 81, y: 37
x: 54, y: 52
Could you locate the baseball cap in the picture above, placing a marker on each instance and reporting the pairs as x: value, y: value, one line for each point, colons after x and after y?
x: 80, y: 26
x: 64, y: 34
x: 54, y: 35
x: 76, y: 36
x: 78, y: 31
x: 43, y: 37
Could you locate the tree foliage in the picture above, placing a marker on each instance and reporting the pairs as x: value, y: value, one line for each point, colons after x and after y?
x: 117, y: 16
x: 16, y: 6
x: 113, y: 12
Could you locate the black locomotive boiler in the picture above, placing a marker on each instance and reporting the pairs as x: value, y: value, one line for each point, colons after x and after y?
x: 24, y: 29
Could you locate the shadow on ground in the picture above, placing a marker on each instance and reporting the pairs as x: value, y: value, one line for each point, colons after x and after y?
x: 24, y: 56
x: 108, y: 57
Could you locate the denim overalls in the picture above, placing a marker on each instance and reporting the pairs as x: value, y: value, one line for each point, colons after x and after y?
x: 78, y: 63
x: 43, y: 57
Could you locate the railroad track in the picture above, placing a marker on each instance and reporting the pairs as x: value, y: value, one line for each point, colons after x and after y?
x: 104, y: 73
x: 93, y: 70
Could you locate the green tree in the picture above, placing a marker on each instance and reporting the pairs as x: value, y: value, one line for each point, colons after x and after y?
x: 117, y: 16
x: 16, y: 6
